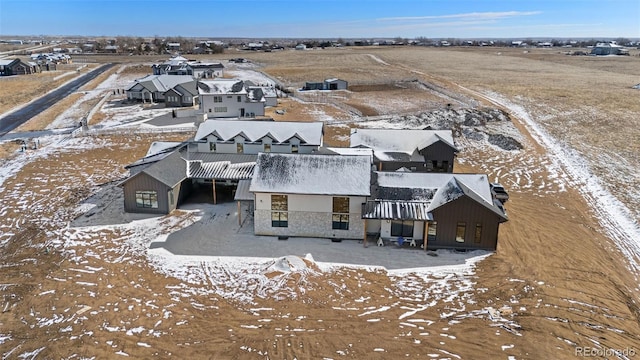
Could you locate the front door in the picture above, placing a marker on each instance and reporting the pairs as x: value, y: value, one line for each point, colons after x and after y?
x: 241, y: 112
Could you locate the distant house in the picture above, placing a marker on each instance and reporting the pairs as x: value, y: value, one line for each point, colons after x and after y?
x: 445, y: 211
x: 328, y: 84
x: 415, y: 150
x: 201, y: 70
x: 184, y: 94
x: 301, y: 47
x: 9, y: 67
x: 609, y: 49
x: 253, y: 137
x: 173, y: 46
x: 152, y: 88
x: 226, y: 98
x: 310, y: 195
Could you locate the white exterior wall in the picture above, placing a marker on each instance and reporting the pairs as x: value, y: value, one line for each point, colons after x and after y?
x: 308, y: 216
x: 232, y: 105
x: 254, y: 148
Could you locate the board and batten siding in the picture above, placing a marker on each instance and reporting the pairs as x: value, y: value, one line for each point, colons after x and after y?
x: 144, y: 182
x: 308, y: 216
x: 439, y: 151
x: 471, y: 213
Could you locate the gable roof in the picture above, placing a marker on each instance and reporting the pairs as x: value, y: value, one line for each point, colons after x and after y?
x: 162, y: 83
x: 312, y: 174
x: 394, y: 144
x: 434, y: 189
x: 308, y: 132
x: 170, y: 171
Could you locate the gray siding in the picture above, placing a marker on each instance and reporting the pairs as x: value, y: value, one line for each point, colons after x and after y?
x: 471, y: 213
x: 144, y: 182
x: 440, y: 152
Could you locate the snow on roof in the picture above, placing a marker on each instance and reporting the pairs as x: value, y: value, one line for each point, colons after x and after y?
x: 312, y: 174
x: 308, y: 132
x: 386, y: 143
x: 222, y: 86
x: 436, y: 189
x: 163, y: 82
x: 160, y: 146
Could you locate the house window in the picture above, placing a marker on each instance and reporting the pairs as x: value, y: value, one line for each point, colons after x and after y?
x: 239, y: 98
x: 212, y: 147
x: 460, y: 232
x: 478, y: 235
x: 147, y: 199
x: 267, y: 147
x: 240, y: 148
x: 432, y: 231
x: 279, y: 208
x: 340, y: 216
x: 217, y: 99
x: 187, y: 98
x: 402, y: 228
x: 294, y: 149
x: 220, y: 109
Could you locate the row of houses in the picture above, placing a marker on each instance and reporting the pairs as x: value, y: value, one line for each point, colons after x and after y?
x: 220, y: 98
x: 388, y: 185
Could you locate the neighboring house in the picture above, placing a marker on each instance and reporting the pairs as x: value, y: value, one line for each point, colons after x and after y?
x: 450, y: 211
x: 152, y: 88
x: 174, y: 63
x: 201, y: 70
x: 160, y: 182
x: 301, y: 47
x: 310, y: 195
x: 416, y: 150
x: 269, y: 93
x: 10, y: 67
x: 609, y: 49
x: 224, y: 98
x: 328, y: 84
x: 253, y: 137
x: 185, y: 94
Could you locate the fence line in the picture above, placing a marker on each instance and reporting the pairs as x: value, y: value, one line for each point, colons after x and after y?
x: 130, y: 130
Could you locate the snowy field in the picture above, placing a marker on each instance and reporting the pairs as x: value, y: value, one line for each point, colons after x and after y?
x: 425, y: 298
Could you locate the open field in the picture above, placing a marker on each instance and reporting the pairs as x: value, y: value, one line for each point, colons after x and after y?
x: 82, y: 291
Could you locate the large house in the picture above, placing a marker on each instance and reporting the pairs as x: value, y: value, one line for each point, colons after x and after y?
x: 253, y: 137
x: 310, y: 195
x: 294, y: 187
x: 175, y: 90
x: 415, y: 150
x: 226, y: 98
x: 454, y: 211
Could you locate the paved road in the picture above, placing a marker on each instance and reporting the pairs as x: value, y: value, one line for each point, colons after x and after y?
x: 20, y: 116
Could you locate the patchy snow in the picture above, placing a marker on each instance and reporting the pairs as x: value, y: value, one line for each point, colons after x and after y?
x: 614, y: 216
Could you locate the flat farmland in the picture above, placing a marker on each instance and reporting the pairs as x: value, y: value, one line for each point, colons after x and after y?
x: 561, y: 274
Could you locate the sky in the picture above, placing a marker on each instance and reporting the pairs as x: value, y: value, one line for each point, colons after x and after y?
x: 324, y: 18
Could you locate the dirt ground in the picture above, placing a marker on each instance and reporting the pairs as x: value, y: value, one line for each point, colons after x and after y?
x: 565, y: 283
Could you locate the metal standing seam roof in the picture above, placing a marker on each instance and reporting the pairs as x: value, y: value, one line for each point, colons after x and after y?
x: 242, y: 192
x: 396, y: 210
x: 221, y: 170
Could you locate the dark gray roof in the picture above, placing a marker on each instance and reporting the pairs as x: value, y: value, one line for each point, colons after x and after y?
x: 170, y: 171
